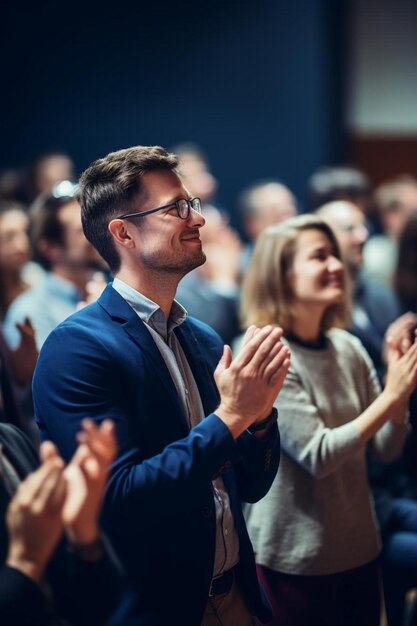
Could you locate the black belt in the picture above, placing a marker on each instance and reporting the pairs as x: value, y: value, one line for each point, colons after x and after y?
x: 222, y: 583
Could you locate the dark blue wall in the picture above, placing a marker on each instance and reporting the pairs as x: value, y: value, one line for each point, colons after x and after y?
x: 257, y: 84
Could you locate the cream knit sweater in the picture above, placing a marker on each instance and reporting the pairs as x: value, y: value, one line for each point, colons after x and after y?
x: 318, y: 516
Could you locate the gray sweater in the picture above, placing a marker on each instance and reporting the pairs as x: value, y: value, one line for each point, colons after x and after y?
x: 318, y: 516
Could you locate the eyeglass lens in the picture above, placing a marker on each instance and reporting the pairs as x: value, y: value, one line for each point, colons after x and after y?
x: 184, y: 207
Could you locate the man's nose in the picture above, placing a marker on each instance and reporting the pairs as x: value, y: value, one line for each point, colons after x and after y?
x: 196, y: 219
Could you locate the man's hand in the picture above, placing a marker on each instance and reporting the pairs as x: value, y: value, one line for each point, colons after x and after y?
x: 86, y: 477
x: 249, y: 384
x: 34, y: 517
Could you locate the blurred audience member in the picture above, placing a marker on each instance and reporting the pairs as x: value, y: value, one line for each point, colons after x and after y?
x: 405, y: 284
x: 395, y: 200
x: 195, y: 172
x: 397, y: 518
x: 48, y: 170
x: 25, y: 184
x: 261, y: 205
x: 16, y: 366
x: 374, y: 305
x: 14, y: 252
x: 332, y: 183
x: 314, y: 533
x: 374, y: 309
x: 8, y: 406
x: 210, y: 293
x: 13, y: 181
x: 43, y: 578
x: 68, y: 258
x: 405, y: 276
x: 17, y: 272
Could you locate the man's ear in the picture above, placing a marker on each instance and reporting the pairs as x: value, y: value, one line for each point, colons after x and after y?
x: 121, y: 232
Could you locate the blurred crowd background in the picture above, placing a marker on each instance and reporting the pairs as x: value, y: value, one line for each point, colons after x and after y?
x: 275, y: 108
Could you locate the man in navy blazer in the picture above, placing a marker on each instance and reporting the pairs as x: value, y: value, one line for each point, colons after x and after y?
x: 196, y: 430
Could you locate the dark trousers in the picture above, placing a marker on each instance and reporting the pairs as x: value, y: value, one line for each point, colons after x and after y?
x: 399, y: 559
x: 351, y: 598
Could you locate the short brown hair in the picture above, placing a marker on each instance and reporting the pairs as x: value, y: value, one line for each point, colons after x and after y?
x: 112, y: 186
x: 266, y: 292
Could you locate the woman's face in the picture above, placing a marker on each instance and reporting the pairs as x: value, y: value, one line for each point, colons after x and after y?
x: 317, y: 275
x: 14, y: 240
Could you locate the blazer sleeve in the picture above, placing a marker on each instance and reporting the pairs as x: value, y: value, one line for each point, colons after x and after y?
x: 92, y: 382
x: 258, y: 464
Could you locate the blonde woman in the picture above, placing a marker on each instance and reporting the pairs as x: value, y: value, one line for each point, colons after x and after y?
x: 314, y: 534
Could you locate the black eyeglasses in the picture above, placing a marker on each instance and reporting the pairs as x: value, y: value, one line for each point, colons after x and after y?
x: 182, y: 206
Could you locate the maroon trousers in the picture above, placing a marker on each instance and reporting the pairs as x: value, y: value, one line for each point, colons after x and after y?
x: 351, y: 598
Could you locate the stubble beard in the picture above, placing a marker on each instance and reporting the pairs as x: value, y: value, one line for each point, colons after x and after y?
x: 180, y: 265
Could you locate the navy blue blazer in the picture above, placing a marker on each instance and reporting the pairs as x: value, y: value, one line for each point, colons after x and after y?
x: 159, y: 509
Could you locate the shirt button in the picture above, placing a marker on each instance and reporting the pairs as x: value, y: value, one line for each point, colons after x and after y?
x: 226, y: 532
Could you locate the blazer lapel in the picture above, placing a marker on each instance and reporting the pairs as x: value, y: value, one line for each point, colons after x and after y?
x: 122, y: 312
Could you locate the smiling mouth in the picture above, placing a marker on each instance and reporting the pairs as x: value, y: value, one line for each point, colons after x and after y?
x: 192, y: 237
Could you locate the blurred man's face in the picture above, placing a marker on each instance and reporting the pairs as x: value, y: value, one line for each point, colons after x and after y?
x: 52, y: 170
x: 348, y: 223
x: 273, y: 203
x: 395, y: 219
x: 77, y: 250
x: 14, y: 240
x: 197, y: 177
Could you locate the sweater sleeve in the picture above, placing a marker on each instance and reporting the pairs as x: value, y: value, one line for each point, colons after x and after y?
x: 389, y: 441
x: 305, y: 437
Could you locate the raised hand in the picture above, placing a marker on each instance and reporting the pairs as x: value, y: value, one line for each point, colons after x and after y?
x: 86, y: 477
x: 249, y: 384
x: 401, y: 377
x: 399, y: 336
x: 24, y: 357
x: 34, y: 517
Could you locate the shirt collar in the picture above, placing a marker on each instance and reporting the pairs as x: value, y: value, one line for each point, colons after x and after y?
x: 150, y: 312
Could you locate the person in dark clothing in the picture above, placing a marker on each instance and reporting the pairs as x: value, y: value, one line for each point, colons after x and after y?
x: 44, y: 579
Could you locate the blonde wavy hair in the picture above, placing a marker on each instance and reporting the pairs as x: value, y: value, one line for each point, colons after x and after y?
x: 267, y: 296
